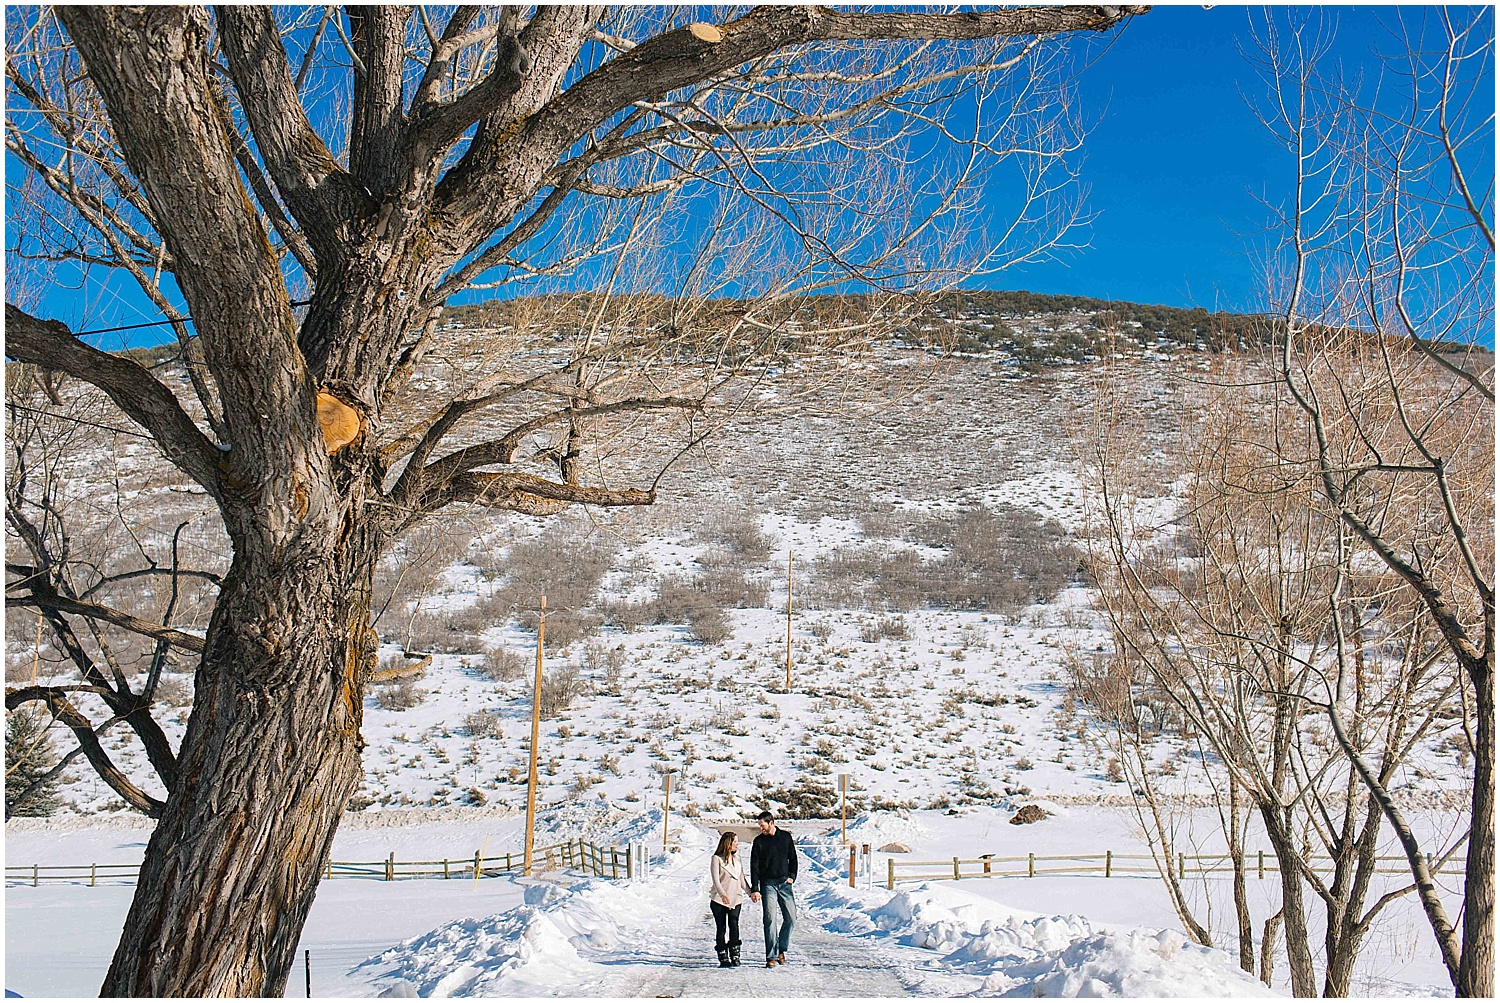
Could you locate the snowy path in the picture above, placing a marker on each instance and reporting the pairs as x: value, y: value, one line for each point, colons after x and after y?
x: 653, y: 939
x: 679, y: 962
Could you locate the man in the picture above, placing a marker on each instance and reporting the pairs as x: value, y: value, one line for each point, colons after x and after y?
x: 773, y: 868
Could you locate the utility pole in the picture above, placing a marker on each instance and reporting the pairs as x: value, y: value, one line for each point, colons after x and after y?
x: 843, y: 804
x: 536, y: 731
x: 666, y: 809
x: 789, y: 621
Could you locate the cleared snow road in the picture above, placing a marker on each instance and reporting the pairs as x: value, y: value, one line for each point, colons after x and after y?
x: 681, y: 962
x: 652, y: 938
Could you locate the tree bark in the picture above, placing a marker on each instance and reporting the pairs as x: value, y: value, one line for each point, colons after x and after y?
x: 1477, y: 967
x: 1241, y: 896
x: 270, y: 758
x: 1294, y: 916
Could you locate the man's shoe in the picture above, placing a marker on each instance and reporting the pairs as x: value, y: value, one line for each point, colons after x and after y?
x: 724, y: 959
x: 781, y: 958
x: 734, y: 956
x: 770, y: 962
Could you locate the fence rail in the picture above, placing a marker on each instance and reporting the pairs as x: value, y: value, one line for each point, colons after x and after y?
x: 610, y: 862
x: 1110, y: 864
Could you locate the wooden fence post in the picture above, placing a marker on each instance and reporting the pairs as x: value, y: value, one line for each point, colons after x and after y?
x: 890, y: 873
x: 445, y: 868
x: 1109, y: 862
x: 956, y: 875
x: 852, y: 859
x: 33, y: 875
x: 390, y: 867
x: 328, y: 873
x: 1181, y: 866
x: 477, y: 863
x: 1031, y: 865
x: 1261, y: 869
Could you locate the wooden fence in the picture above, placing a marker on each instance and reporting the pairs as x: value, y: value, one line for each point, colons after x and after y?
x: 1110, y: 864
x: 610, y: 862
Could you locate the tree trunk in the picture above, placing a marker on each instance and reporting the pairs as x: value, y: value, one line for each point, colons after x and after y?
x: 1347, y: 923
x: 1268, y: 949
x: 1241, y: 896
x: 1294, y: 915
x: 1477, y: 966
x: 270, y: 758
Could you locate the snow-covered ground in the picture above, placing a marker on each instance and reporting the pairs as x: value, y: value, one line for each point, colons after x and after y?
x: 563, y: 934
x: 953, y: 718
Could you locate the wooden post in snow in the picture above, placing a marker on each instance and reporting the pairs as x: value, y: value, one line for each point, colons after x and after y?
x: 536, y: 731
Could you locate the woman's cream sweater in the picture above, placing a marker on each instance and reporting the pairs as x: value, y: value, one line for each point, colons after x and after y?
x: 729, y: 881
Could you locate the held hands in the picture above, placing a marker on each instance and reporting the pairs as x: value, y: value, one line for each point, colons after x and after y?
x: 755, y: 896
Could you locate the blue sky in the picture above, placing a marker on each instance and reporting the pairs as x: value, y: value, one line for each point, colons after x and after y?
x: 1177, y: 159
x: 1173, y: 165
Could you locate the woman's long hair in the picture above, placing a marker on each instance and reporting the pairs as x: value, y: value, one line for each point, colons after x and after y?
x: 724, y: 840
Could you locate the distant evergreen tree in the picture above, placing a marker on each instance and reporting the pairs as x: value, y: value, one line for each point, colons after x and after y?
x: 28, y: 757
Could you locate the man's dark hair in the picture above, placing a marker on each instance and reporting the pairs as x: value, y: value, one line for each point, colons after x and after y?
x: 765, y: 816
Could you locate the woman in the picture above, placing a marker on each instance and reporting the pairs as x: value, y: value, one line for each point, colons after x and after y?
x: 730, y: 886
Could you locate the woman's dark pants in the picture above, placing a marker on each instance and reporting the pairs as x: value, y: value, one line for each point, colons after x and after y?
x: 725, y: 917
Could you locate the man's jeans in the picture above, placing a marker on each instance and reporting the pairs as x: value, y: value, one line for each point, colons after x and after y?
x: 782, y: 892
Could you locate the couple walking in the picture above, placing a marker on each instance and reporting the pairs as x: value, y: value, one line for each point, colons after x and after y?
x: 773, y: 868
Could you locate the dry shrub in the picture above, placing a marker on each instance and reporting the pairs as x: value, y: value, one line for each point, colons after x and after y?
x: 565, y: 563
x: 736, y: 529
x: 173, y: 691
x: 435, y: 632
x: 483, y: 724
x: 399, y: 696
x: 893, y: 627
x: 559, y: 688
x: 998, y: 559
x: 503, y: 664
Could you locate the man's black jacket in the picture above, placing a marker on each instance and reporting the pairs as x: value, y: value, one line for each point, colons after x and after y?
x: 772, y: 858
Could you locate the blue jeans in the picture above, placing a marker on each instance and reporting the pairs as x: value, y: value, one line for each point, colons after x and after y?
x: 782, y: 892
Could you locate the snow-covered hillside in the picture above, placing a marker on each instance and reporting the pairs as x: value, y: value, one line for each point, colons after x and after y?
x: 939, y: 684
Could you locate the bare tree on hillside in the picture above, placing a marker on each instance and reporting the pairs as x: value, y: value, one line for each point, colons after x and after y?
x: 1234, y: 628
x: 1385, y: 303
x: 379, y: 161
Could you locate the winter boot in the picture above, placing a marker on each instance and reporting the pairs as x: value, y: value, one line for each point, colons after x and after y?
x: 734, y: 956
x: 724, y: 958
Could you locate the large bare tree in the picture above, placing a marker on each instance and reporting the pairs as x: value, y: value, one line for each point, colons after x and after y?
x: 379, y: 160
x: 1383, y: 289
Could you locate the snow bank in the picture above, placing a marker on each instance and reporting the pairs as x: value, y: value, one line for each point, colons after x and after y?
x: 1024, y: 954
x: 471, y: 957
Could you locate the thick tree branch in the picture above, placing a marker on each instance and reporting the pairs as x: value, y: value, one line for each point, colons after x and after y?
x: 478, y: 195
x: 88, y: 740
x: 132, y: 388
x: 320, y: 194
x: 378, y: 123
x: 62, y: 604
x: 525, y: 494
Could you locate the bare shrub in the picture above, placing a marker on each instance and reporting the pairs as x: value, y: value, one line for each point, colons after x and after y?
x: 559, y: 688
x: 483, y: 724
x: 565, y: 563
x: 737, y: 529
x: 399, y: 696
x: 893, y: 627
x: 606, y: 663
x: 435, y: 632
x: 173, y: 691
x: 728, y: 587
x: 1001, y: 559
x: 709, y: 625
x: 503, y: 664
